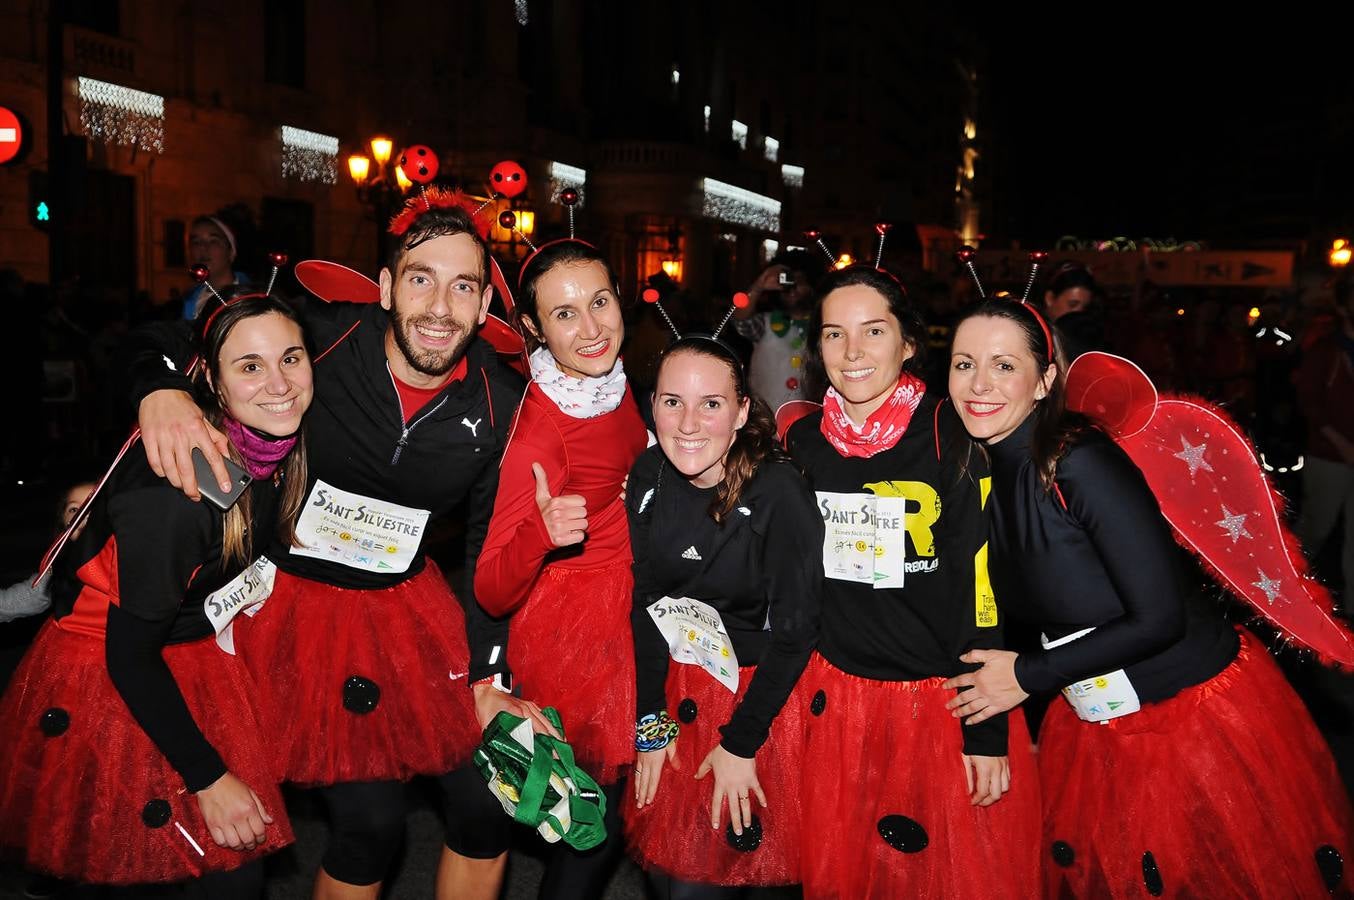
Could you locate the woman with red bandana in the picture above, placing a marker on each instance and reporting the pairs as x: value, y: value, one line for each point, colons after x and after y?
x: 906, y: 801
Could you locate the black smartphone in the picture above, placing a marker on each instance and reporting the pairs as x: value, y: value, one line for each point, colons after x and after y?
x: 206, y: 481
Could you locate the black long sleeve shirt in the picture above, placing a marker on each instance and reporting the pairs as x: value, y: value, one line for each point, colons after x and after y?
x: 138, y: 577
x: 759, y: 570
x: 946, y: 606
x: 357, y: 440
x: 1098, y: 553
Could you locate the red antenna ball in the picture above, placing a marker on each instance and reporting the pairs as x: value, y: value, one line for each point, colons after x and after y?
x: 741, y: 300
x: 508, y: 178
x: 419, y: 163
x: 277, y: 259
x: 507, y: 220
x: 650, y: 295
x: 813, y: 234
x: 882, y: 228
x: 569, y: 197
x: 1038, y: 256
x: 200, y: 273
x: 966, y: 254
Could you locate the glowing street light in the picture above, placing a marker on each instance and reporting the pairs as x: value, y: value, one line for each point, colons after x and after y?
x: 359, y: 167
x: 381, y: 148
x: 1340, y: 253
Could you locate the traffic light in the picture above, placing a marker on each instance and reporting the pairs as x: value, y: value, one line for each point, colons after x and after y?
x: 39, y: 200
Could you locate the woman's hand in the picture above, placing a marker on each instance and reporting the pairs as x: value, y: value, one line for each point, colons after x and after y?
x: 566, y: 518
x: 735, y: 781
x: 649, y: 771
x: 234, y: 814
x: 988, y: 778
x: 989, y: 691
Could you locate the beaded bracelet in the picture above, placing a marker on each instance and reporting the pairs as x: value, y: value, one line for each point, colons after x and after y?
x: 655, y: 731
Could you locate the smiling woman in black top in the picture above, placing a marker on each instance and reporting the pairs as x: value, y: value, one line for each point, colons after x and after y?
x: 727, y: 592
x: 1189, y: 767
x: 906, y: 801
x: 132, y: 750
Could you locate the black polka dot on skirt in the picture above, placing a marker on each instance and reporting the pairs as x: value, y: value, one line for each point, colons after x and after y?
x: 360, y: 695
x: 156, y: 813
x: 818, y: 704
x: 686, y: 710
x: 749, y: 840
x: 903, y: 834
x: 1151, y: 875
x: 1331, y: 865
x: 54, y: 722
x: 1063, y: 854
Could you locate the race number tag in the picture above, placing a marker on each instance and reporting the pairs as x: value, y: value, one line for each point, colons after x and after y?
x: 357, y: 531
x: 1101, y: 698
x: 244, y: 593
x: 863, y: 538
x: 696, y: 637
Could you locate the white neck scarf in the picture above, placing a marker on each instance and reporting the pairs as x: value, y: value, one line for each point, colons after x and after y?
x: 581, y: 398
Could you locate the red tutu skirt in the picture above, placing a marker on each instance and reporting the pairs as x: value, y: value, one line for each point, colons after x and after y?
x: 887, y: 802
x: 87, y: 796
x: 570, y: 648
x: 673, y: 833
x: 1225, y: 790
x: 362, y: 685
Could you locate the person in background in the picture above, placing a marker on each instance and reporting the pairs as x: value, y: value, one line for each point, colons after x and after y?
x: 775, y: 322
x: 30, y: 596
x: 211, y: 243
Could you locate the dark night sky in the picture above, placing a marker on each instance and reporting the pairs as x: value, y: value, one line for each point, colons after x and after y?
x: 1148, y: 123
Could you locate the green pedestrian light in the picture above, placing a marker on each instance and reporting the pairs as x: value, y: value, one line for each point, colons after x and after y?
x: 43, y: 213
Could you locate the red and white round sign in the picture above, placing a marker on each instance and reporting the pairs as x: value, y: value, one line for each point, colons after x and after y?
x: 11, y: 135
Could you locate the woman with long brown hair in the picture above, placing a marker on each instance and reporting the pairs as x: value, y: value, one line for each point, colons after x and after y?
x: 133, y: 752
x: 727, y: 593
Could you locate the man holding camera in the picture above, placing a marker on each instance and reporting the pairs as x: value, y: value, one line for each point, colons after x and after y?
x: 776, y: 323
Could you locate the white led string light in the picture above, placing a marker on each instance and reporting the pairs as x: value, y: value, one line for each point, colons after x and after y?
x: 730, y: 203
x: 113, y: 114
x: 563, y: 175
x: 309, y: 155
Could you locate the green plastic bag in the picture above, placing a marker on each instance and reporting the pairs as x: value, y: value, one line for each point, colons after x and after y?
x: 535, y: 778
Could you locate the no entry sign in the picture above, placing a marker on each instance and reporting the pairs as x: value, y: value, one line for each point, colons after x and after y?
x: 11, y: 135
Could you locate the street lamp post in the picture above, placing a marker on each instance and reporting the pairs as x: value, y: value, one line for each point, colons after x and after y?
x: 380, y: 187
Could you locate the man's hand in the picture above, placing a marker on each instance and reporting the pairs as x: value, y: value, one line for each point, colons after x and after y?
x: 171, y: 426
x: 490, y: 701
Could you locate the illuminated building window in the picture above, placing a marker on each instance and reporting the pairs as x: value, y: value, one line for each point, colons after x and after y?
x: 739, y: 206
x: 739, y: 132
x: 114, y: 114
x: 309, y: 155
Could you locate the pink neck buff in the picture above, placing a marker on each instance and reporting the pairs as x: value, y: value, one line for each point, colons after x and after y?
x: 261, y: 455
x: 882, y: 430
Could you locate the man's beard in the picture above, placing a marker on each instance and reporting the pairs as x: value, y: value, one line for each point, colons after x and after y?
x: 430, y: 362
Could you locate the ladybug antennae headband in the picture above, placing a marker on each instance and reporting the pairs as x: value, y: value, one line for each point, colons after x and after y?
x: 966, y: 255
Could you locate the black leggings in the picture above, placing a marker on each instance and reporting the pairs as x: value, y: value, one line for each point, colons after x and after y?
x: 570, y: 874
x: 366, y: 822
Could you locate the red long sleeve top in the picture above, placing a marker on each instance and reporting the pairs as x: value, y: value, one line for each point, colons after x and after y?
x: 588, y: 457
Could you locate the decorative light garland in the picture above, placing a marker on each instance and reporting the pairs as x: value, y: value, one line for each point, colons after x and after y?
x: 771, y: 148
x: 739, y: 206
x: 739, y: 132
x: 792, y: 176
x: 114, y: 114
x: 309, y: 155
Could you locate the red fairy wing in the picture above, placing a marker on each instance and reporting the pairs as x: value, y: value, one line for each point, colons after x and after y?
x: 1113, y: 391
x: 330, y: 282
x: 1205, y: 475
x: 790, y: 412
